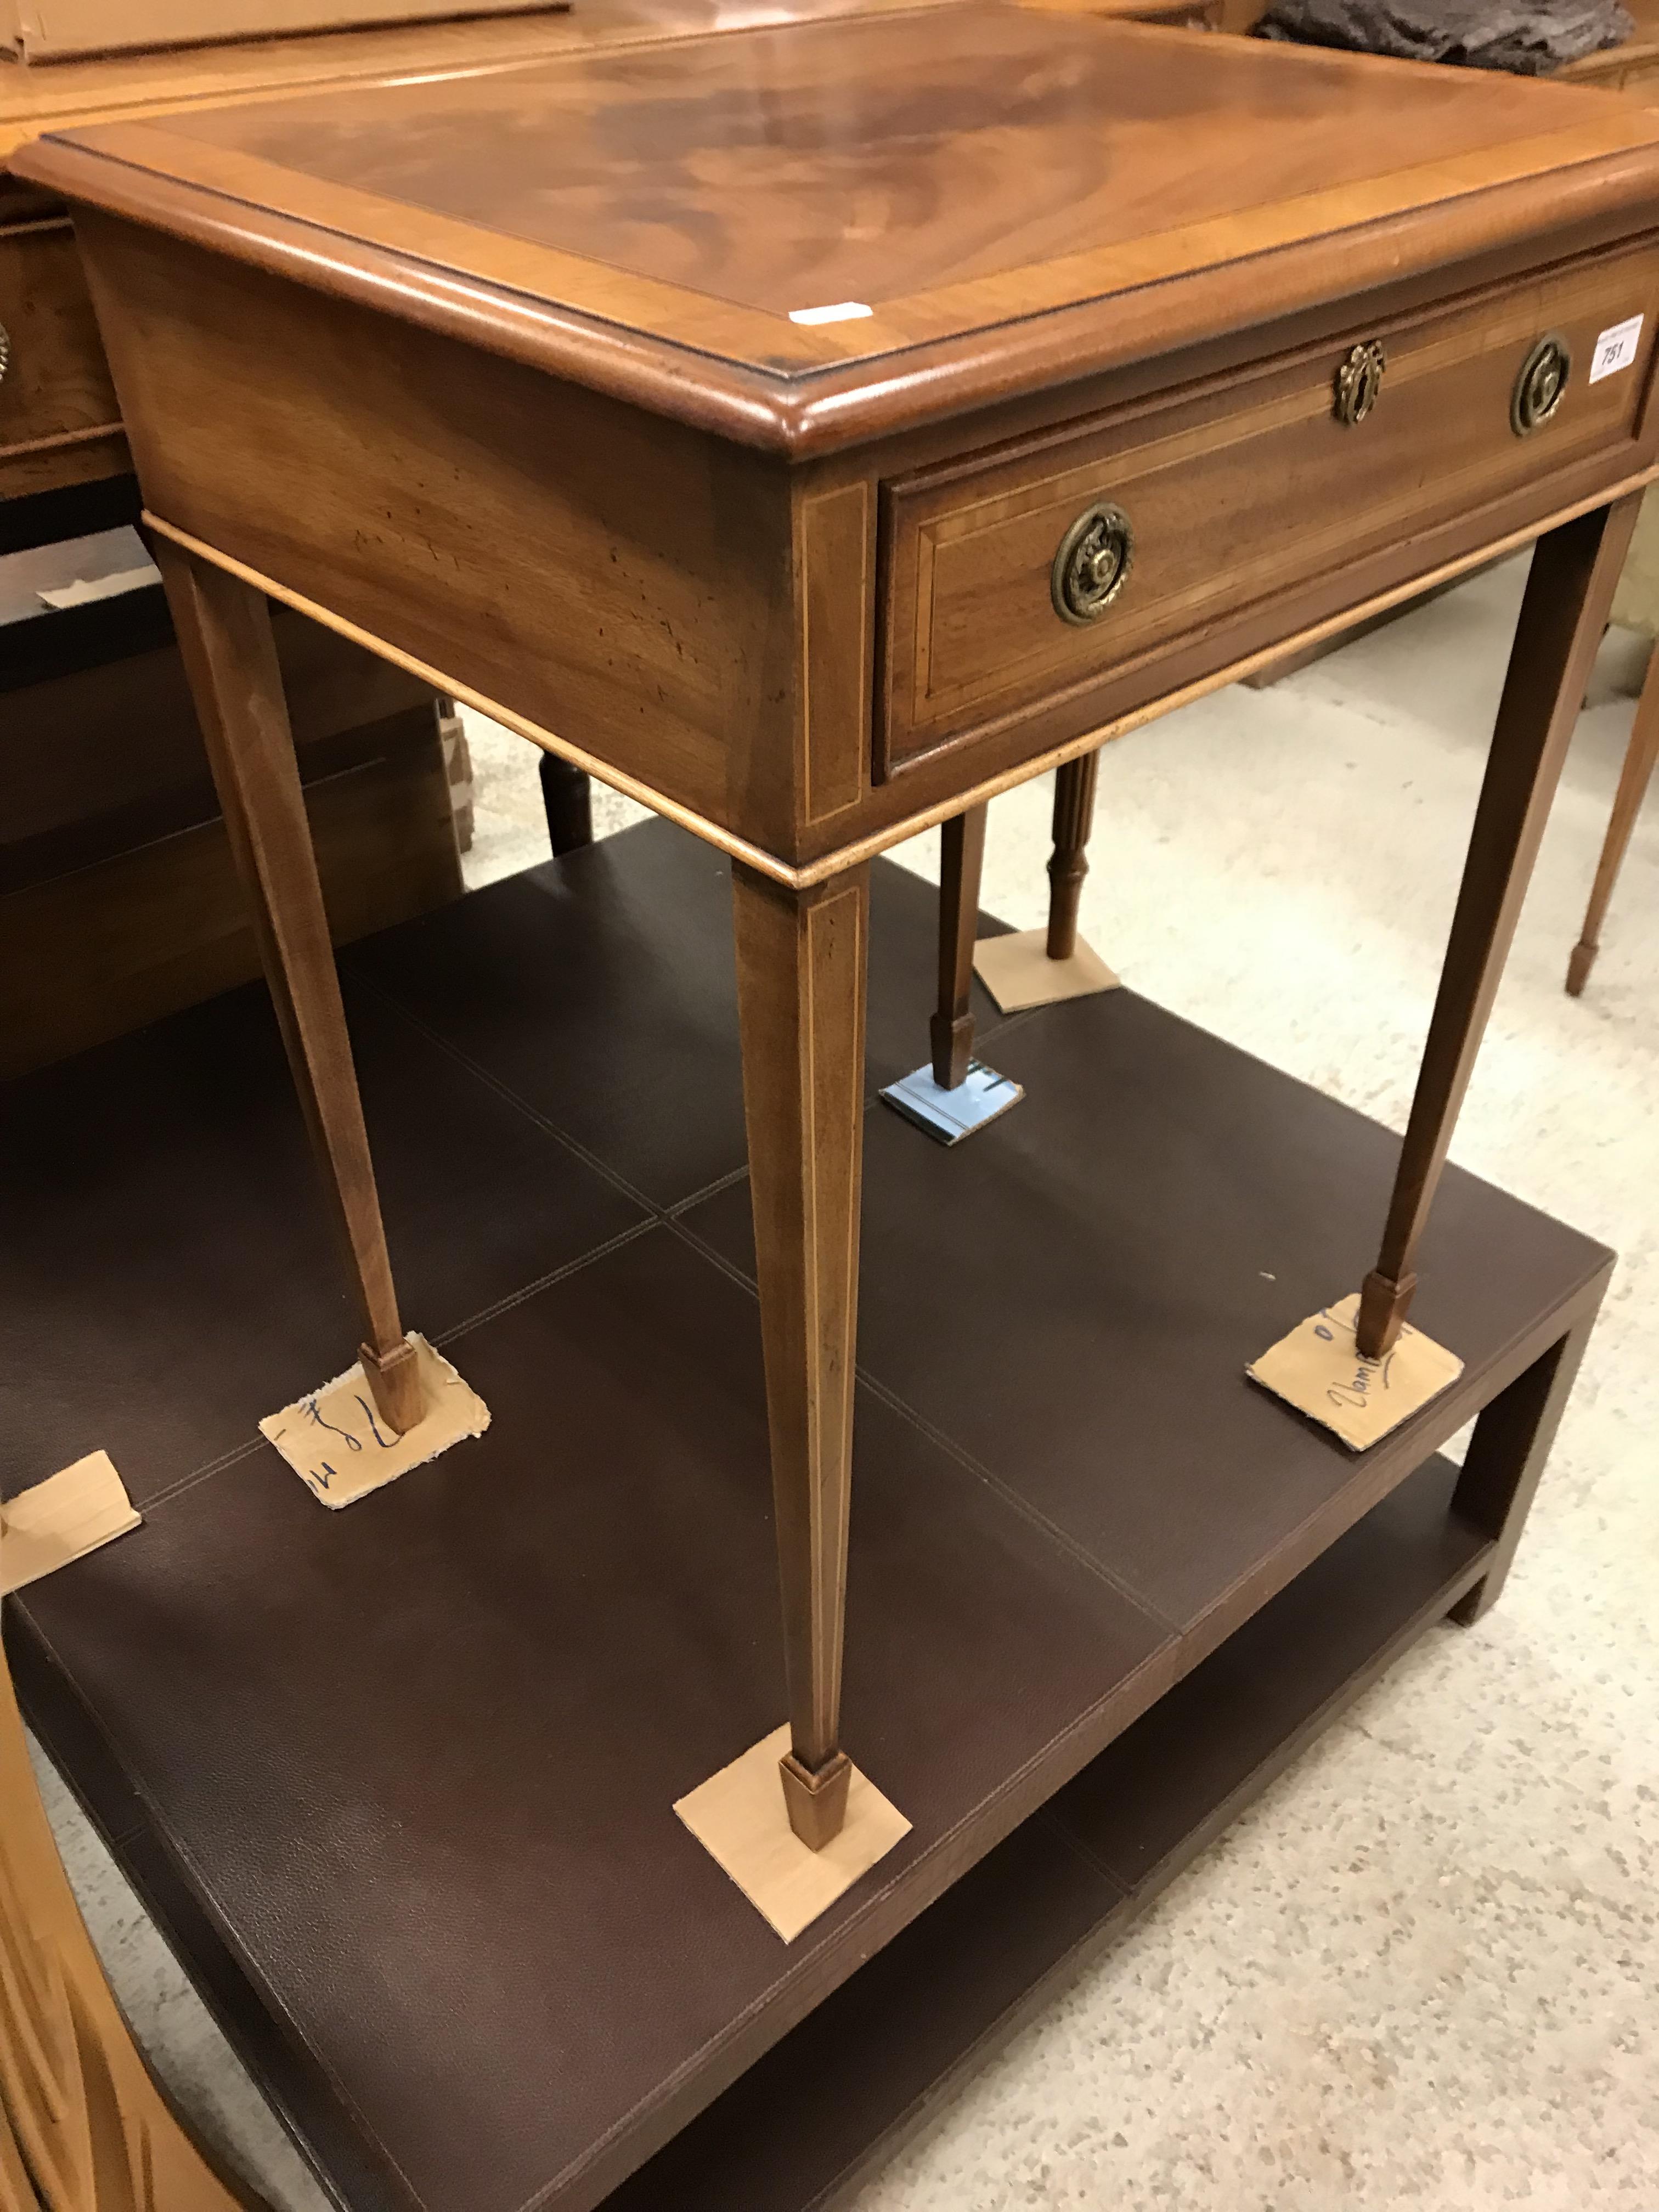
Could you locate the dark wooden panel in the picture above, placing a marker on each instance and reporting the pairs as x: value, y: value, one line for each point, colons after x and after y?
x: 55, y: 390
x: 118, y: 943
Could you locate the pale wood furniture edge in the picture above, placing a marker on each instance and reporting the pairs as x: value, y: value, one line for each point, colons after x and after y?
x: 927, y: 817
x: 81, y: 2120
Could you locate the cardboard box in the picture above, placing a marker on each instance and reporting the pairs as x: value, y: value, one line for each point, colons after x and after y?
x: 59, y: 30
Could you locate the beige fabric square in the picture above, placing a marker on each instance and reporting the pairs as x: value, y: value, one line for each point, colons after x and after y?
x: 739, y: 1818
x: 1318, y: 1369
x: 1018, y: 972
x: 63, y: 1518
x: 336, y: 1444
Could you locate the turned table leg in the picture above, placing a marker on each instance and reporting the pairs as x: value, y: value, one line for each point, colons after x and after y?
x: 224, y: 635
x: 961, y: 858
x: 1074, y: 816
x: 801, y: 960
x: 1633, y: 782
x: 1569, y: 591
x: 568, y: 798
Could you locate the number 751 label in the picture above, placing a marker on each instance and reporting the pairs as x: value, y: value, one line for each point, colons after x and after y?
x: 1616, y: 348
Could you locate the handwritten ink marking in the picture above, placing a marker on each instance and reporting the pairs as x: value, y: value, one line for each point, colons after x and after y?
x: 353, y: 1444
x: 385, y: 1442
x: 1360, y: 1392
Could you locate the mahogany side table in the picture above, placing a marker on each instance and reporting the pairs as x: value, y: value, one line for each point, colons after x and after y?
x: 812, y: 432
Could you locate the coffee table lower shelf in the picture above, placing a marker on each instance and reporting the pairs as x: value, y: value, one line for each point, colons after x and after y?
x: 396, y: 1783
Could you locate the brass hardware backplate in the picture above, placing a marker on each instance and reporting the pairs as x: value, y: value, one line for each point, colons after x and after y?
x: 1092, y: 562
x: 1359, y: 381
x: 1538, y: 387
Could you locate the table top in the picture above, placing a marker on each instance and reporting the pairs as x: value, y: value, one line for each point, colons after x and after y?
x: 110, y: 88
x: 816, y: 232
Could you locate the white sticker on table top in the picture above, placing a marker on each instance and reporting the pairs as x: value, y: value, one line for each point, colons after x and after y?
x: 843, y: 311
x: 1616, y: 348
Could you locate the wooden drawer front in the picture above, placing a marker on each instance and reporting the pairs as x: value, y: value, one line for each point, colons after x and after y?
x: 1235, y: 491
x: 57, y: 384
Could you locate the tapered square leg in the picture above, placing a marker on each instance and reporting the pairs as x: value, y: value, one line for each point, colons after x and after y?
x: 1569, y: 591
x: 801, y: 966
x: 962, y: 859
x: 224, y: 636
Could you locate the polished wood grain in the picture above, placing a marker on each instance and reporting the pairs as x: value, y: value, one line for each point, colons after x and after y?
x: 56, y: 397
x: 649, y: 221
x: 82, y: 2126
x: 615, y: 576
x: 801, y: 981
x: 1074, y: 816
x: 962, y: 858
x: 1640, y: 756
x: 896, y: 826
x: 1238, y: 492
x: 1569, y: 592
x: 224, y: 635
x: 111, y: 87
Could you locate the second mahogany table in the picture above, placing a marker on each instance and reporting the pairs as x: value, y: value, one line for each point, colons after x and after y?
x: 813, y: 431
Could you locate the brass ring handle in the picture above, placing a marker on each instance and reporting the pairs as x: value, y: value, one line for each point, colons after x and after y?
x: 1538, y: 387
x: 1092, y: 562
x: 1359, y: 381
x: 5, y: 352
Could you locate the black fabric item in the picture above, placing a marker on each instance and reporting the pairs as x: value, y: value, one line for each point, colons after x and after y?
x: 1529, y: 37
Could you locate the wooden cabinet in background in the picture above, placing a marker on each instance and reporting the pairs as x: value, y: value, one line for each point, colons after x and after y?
x: 118, y: 900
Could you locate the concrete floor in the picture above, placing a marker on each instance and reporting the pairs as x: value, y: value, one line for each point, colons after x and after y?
x: 1423, y: 1971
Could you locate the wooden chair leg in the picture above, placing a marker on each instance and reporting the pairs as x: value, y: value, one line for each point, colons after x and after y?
x: 951, y: 1030
x: 1569, y: 591
x: 82, y: 2126
x: 224, y: 635
x: 801, y: 964
x: 1074, y: 818
x: 1637, y: 774
x: 568, y: 796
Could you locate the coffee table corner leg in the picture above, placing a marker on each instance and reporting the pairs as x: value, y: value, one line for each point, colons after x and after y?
x: 1506, y: 1457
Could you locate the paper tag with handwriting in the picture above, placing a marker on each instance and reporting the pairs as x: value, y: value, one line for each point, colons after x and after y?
x: 341, y: 1449
x: 1616, y: 348
x: 1317, y: 1368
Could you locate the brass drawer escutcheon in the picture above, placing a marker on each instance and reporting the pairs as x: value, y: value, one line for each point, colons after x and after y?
x: 1092, y: 562
x: 1538, y: 387
x: 1359, y: 381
